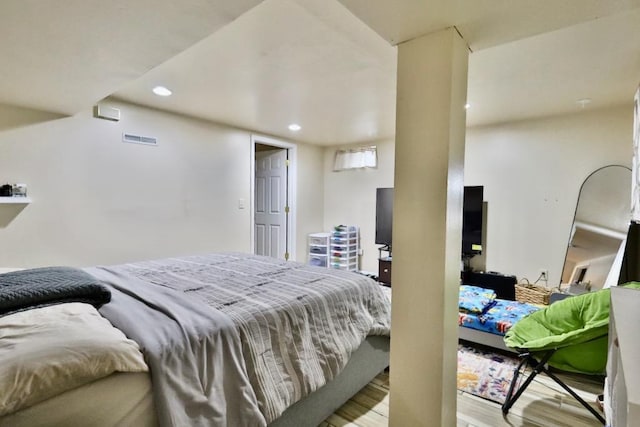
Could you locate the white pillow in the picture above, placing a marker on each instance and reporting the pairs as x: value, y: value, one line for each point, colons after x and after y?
x: 49, y: 350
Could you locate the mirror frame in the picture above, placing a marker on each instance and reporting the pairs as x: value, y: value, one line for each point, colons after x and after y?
x: 575, y: 212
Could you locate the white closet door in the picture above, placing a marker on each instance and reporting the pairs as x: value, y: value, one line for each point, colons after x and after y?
x: 270, y: 203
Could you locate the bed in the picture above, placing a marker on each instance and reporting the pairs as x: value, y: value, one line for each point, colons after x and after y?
x: 484, y: 319
x: 228, y: 339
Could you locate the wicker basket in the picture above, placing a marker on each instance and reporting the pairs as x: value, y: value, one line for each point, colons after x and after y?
x: 533, y: 294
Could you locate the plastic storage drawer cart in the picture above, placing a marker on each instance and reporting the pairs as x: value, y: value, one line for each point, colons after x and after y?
x: 319, y: 244
x: 345, y: 245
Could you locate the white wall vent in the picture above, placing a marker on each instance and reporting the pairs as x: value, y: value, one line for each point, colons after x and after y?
x: 106, y: 112
x: 137, y: 139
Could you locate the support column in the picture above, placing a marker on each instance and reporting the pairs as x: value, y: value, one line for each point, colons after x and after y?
x: 427, y: 228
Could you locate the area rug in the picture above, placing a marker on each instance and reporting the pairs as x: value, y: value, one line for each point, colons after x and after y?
x: 484, y: 373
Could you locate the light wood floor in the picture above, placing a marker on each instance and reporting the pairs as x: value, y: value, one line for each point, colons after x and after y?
x: 544, y: 403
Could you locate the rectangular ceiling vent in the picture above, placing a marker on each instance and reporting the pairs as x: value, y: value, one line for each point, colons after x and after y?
x: 137, y: 139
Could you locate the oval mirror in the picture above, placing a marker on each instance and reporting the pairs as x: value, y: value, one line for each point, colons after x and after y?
x: 599, y: 227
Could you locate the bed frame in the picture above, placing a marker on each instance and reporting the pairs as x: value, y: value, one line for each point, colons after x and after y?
x: 507, y: 290
x: 483, y: 338
x: 371, y: 358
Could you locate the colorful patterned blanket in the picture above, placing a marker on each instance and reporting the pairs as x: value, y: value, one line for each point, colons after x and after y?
x: 498, y: 317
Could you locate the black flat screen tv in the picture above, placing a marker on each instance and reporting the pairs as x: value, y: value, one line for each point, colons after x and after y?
x: 472, y: 220
x: 384, y: 216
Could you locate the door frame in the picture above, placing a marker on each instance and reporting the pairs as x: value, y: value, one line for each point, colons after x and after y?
x: 292, y: 176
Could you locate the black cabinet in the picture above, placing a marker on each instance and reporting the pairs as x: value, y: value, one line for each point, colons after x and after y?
x: 384, y: 270
x: 504, y: 285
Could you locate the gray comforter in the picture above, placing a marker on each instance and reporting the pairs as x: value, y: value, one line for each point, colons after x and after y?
x: 235, y: 339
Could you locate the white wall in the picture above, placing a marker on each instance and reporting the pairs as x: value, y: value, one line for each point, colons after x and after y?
x: 531, y: 172
x: 97, y: 200
x: 310, y: 203
x: 350, y: 198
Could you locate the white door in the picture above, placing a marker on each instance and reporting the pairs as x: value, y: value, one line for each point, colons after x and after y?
x: 271, y: 203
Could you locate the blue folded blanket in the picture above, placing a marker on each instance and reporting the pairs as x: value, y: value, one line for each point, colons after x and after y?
x: 474, y: 299
x: 25, y: 289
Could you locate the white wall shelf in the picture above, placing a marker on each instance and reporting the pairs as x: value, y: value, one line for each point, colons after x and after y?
x: 18, y: 200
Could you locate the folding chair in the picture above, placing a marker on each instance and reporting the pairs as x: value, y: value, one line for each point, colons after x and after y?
x: 570, y: 335
x: 539, y: 365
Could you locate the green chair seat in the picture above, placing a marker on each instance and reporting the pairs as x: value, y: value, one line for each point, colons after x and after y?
x: 576, y: 327
x: 570, y: 335
x: 571, y: 326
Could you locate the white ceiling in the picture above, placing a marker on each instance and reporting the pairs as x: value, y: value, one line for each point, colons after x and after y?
x: 261, y: 65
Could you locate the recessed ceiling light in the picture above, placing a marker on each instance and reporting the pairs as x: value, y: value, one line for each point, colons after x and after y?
x: 466, y: 106
x: 294, y: 127
x: 161, y: 91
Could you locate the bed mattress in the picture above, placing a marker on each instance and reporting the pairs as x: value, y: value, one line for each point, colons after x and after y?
x: 121, y: 399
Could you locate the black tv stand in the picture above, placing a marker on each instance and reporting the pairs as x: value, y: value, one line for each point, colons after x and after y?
x: 384, y: 265
x: 503, y: 284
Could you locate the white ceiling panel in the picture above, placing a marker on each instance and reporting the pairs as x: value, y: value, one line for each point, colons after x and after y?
x: 327, y: 65
x: 547, y: 74
x: 62, y: 56
x: 483, y: 23
x: 283, y: 62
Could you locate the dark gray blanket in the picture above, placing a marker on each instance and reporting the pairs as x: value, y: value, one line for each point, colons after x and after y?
x: 25, y: 289
x: 194, y: 353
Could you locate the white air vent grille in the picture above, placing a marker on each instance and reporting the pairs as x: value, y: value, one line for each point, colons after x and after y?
x: 106, y: 112
x: 138, y: 139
